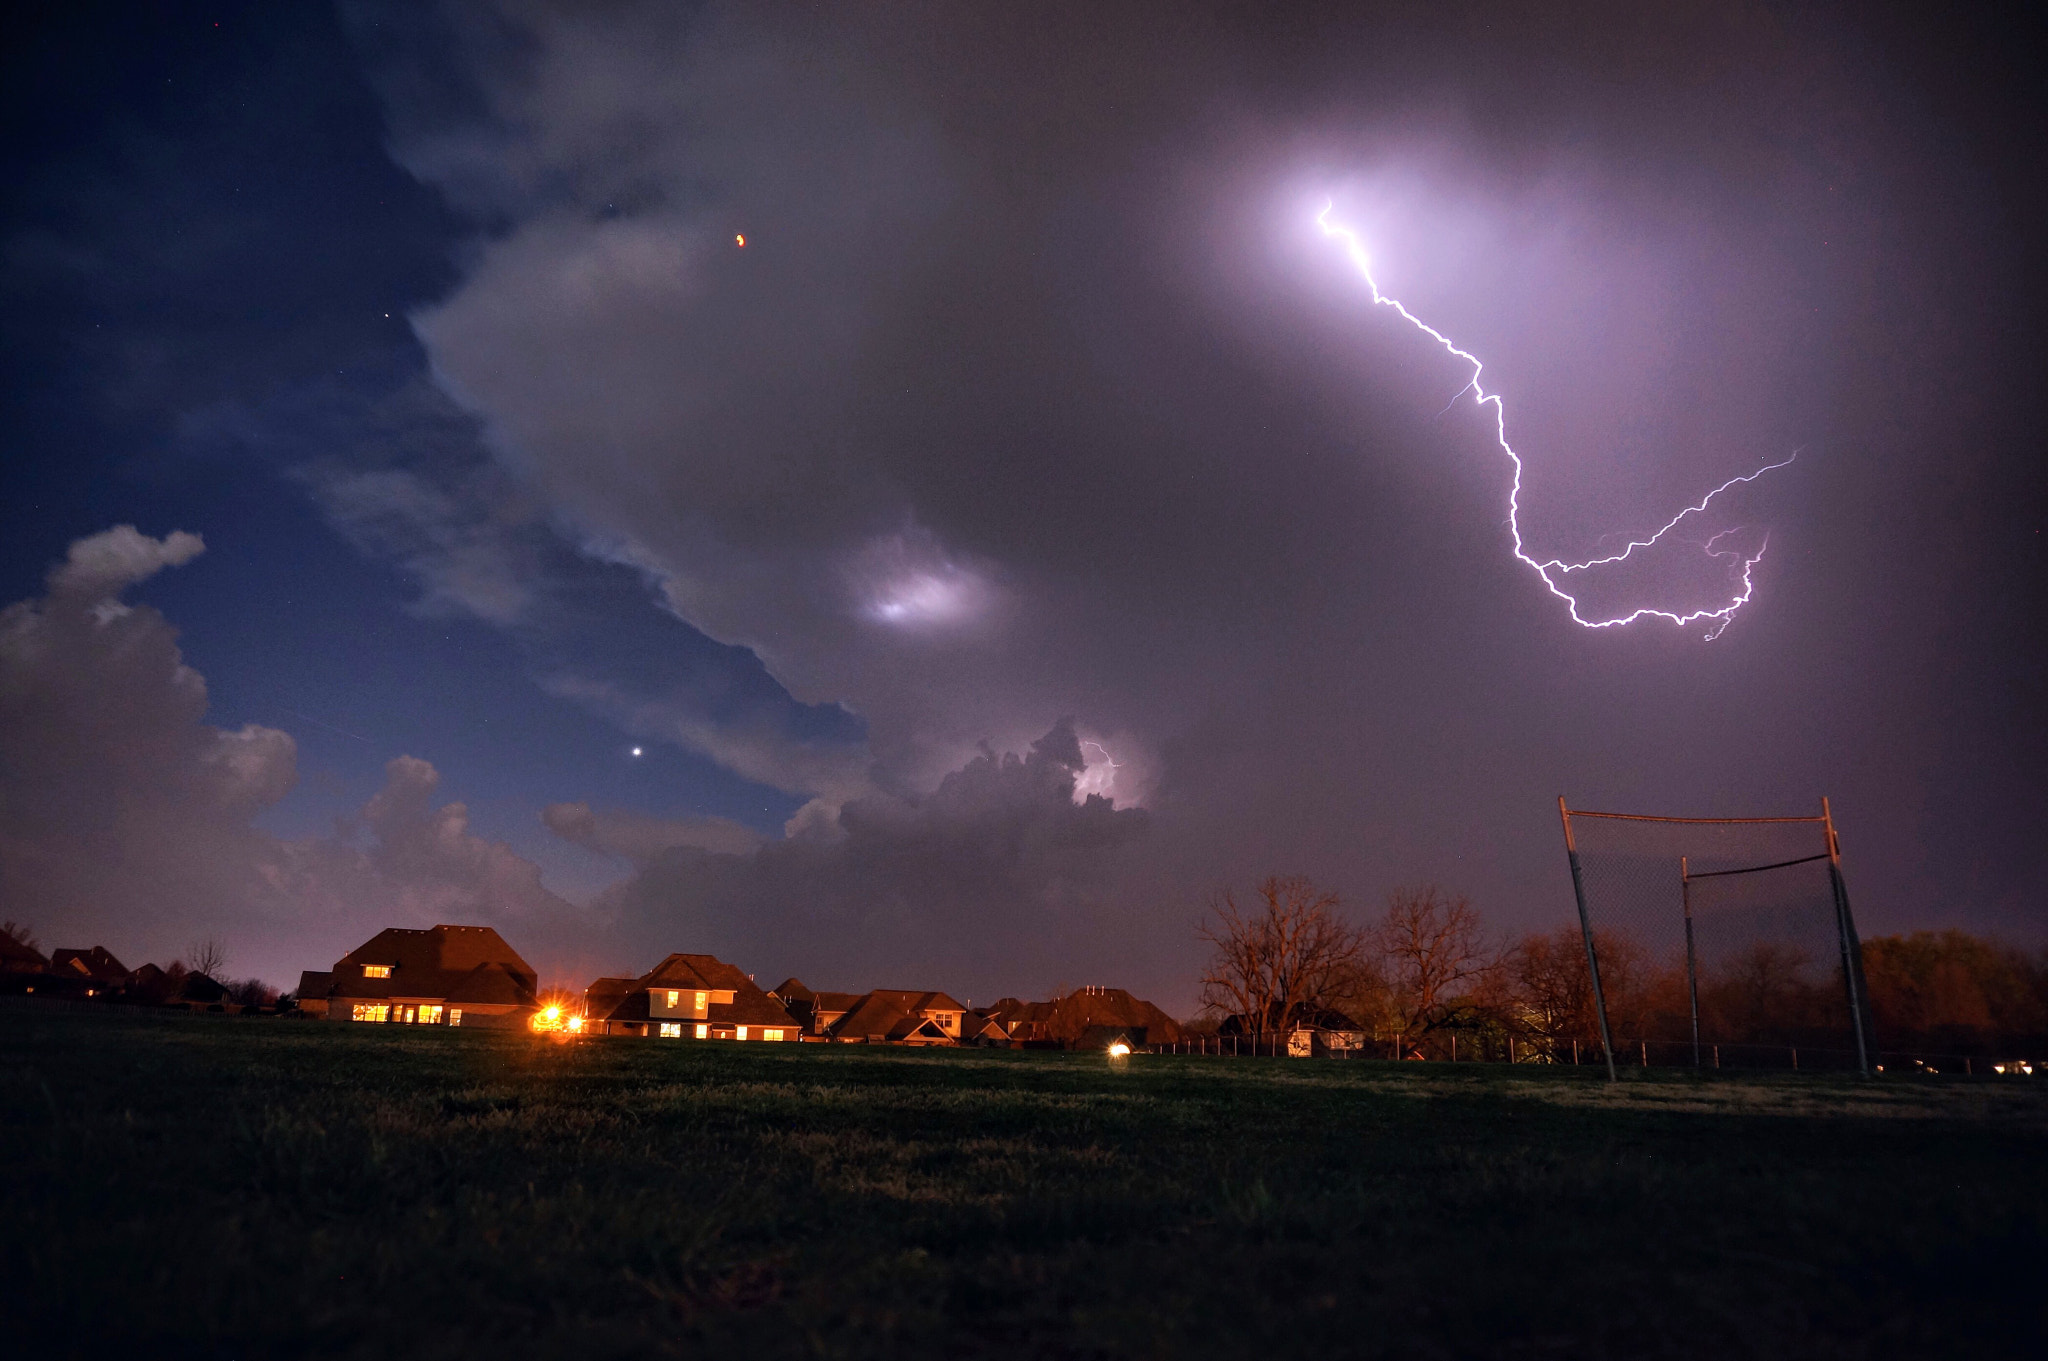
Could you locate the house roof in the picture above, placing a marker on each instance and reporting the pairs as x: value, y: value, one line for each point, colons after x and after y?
x: 314, y: 983
x: 490, y: 984
x: 200, y: 988
x: 696, y: 971
x: 793, y: 990
x: 1068, y: 1019
x: 437, y: 962
x: 894, y: 1013
x: 605, y: 994
x: 94, y: 963
x: 16, y: 957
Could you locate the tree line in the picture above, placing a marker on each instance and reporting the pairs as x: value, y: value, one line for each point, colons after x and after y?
x: 1425, y: 974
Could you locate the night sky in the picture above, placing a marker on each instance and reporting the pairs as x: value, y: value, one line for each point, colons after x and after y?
x: 1034, y: 526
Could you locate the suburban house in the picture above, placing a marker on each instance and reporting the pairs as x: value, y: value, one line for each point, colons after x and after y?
x: 443, y: 975
x: 881, y: 1016
x: 1318, y: 1034
x: 1089, y: 1018
x: 693, y: 997
x: 96, y: 969
x: 20, y: 958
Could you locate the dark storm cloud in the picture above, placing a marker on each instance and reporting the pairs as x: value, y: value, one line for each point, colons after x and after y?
x: 996, y: 876
x: 1034, y: 391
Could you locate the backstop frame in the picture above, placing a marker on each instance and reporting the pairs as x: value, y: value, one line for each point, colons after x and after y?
x: 1850, y: 943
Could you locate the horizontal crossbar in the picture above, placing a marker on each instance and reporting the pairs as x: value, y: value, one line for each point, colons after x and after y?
x: 1759, y: 869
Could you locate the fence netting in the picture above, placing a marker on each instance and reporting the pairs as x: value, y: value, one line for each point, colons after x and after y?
x: 1758, y: 979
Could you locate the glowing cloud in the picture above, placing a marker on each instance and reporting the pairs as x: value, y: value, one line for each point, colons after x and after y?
x: 908, y: 581
x: 1097, y: 776
x: 1556, y: 572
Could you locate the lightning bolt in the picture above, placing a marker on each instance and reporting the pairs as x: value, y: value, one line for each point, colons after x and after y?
x: 1562, y: 570
x: 1087, y: 780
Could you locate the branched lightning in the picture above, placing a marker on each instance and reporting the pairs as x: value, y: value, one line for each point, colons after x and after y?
x: 1087, y: 774
x: 1563, y: 570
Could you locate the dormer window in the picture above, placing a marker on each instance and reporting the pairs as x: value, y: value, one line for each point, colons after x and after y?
x: 376, y: 971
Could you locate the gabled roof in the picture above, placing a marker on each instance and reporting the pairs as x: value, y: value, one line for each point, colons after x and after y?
x: 696, y: 971
x: 975, y: 1026
x: 95, y: 964
x: 894, y: 1013
x: 793, y: 990
x: 314, y: 983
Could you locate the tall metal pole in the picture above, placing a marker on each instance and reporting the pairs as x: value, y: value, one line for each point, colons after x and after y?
x: 1852, y: 948
x: 1692, y: 968
x: 1571, y: 850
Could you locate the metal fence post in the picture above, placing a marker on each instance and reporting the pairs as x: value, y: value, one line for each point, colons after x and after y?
x: 1692, y: 968
x: 1852, y: 947
x: 1571, y: 850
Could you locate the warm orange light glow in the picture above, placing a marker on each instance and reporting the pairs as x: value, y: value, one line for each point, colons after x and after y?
x: 1119, y: 1050
x: 556, y: 1019
x: 740, y: 240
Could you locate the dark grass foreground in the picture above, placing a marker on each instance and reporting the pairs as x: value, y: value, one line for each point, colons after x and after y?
x: 276, y: 1189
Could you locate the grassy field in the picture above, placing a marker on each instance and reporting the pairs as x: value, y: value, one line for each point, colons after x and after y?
x: 211, y: 1188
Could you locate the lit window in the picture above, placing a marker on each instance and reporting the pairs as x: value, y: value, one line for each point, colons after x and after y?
x: 430, y: 1015
x: 771, y: 1034
x: 702, y: 998
x: 455, y: 1016
x: 371, y: 1011
x: 409, y: 1015
x: 376, y: 971
x: 743, y: 1032
x: 671, y: 1030
x: 673, y: 998
x: 703, y: 1032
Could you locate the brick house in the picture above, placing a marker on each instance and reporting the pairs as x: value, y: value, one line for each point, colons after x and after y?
x: 443, y: 975
x: 688, y: 997
x: 1087, y: 1018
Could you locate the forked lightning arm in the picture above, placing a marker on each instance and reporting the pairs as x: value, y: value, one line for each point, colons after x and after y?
x: 1556, y: 571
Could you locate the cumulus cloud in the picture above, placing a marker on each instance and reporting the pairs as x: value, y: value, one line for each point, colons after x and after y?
x: 109, y: 562
x: 119, y: 805
x: 127, y: 819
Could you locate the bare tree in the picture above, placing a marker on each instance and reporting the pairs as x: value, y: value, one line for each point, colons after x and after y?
x: 1433, y: 953
x: 1281, y: 958
x: 208, y: 956
x: 21, y: 933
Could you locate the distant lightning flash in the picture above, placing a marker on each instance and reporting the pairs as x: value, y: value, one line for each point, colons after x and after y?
x: 1089, y: 782
x: 1563, y: 570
